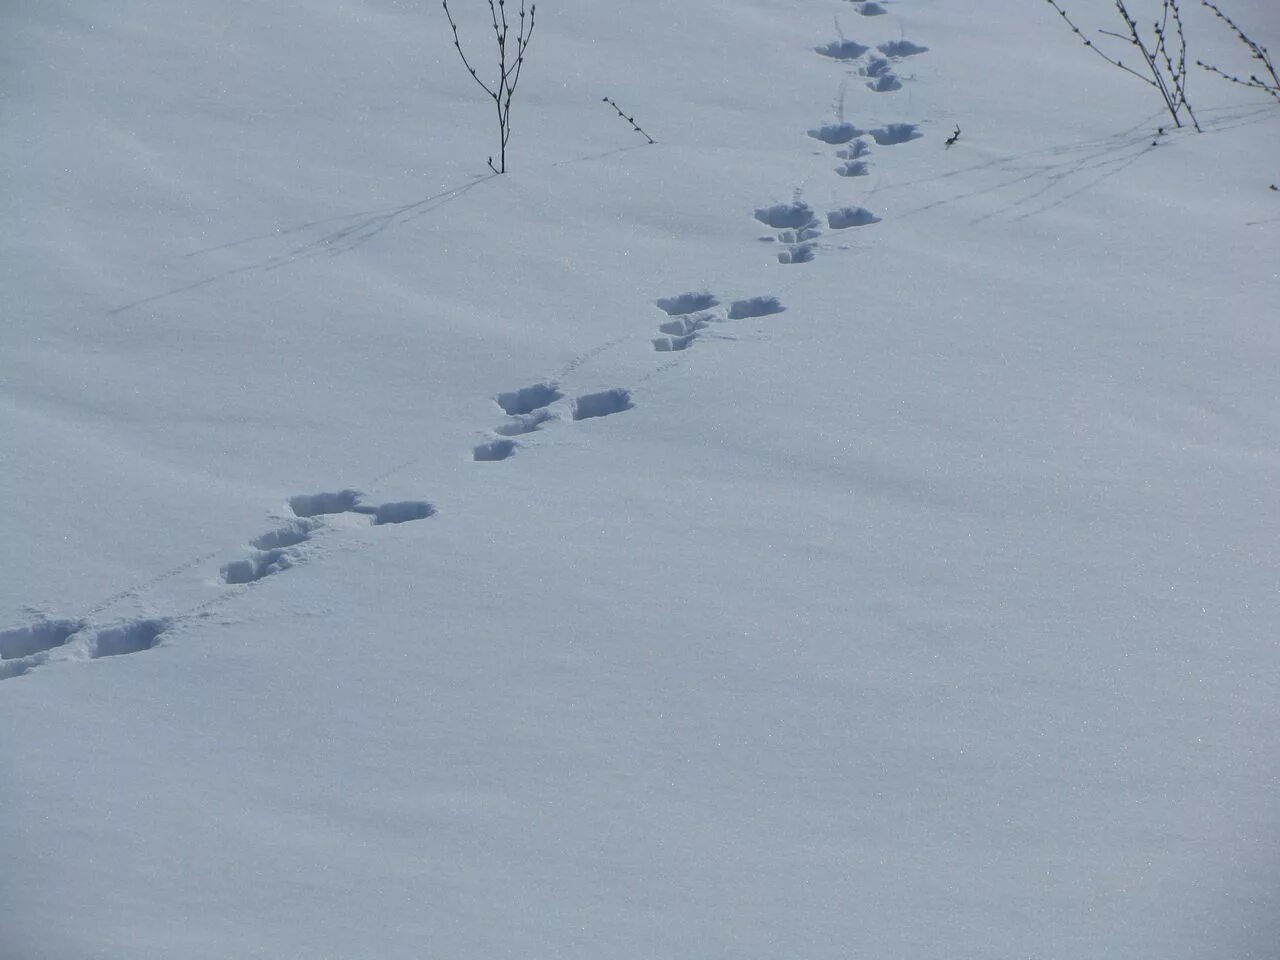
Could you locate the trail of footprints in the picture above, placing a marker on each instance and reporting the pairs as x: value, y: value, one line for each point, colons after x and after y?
x: 687, y: 319
x: 540, y: 405
x: 691, y: 316
x: 798, y: 229
x: 22, y: 649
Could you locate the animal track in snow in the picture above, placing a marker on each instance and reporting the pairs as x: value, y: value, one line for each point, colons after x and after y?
x: 755, y: 307
x: 683, y: 326
x: 299, y: 531
x: 526, y: 409
x: 25, y: 648
x: 847, y: 217
x: 524, y: 423
x: 603, y: 404
x: 880, y: 75
x: 835, y: 133
x: 686, y: 303
x: 527, y: 399
x: 797, y: 253
x: 886, y: 83
x: 852, y: 168
x: 896, y: 133
x: 898, y: 49
x: 20, y: 642
x: 348, y: 501
x: 871, y: 9
x: 842, y: 49
x: 798, y: 228
x: 494, y: 450
x: 318, y: 504
x: 794, y: 216
x: 674, y: 344
x: 399, y: 511
x: 854, y: 150
x: 273, y: 552
x: 681, y: 332
x: 127, y: 638
x: 876, y: 67
x: 690, y: 317
x: 254, y: 568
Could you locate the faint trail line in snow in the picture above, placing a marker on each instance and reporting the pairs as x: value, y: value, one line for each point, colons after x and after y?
x: 1231, y: 118
x: 664, y: 367
x: 362, y: 228
x: 363, y: 216
x: 362, y: 231
x: 1042, y: 177
x: 1139, y: 133
x: 1115, y: 167
x: 588, y: 356
x: 179, y: 290
x: 1258, y: 223
x: 133, y: 591
x: 600, y: 156
x: 394, y: 470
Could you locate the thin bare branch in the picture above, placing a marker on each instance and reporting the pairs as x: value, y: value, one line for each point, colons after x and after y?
x: 631, y: 120
x: 457, y: 45
x: 1256, y: 52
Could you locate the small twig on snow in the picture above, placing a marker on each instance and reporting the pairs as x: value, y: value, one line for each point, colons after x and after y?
x: 631, y: 120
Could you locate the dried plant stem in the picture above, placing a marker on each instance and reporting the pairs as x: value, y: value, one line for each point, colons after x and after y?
x: 631, y: 120
x: 1256, y: 52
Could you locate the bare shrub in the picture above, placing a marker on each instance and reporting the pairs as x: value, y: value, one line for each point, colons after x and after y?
x: 510, y: 63
x: 1163, y: 54
x: 1270, y: 83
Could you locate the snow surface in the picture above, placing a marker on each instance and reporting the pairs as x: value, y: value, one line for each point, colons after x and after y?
x: 794, y: 539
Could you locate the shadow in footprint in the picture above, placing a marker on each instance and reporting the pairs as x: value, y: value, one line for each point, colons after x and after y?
x: 603, y: 404
x: 401, y: 511
x: 835, y: 133
x: 847, y: 217
x: 886, y: 83
x: 493, y: 451
x: 127, y: 638
x: 896, y: 133
x: 852, y: 168
x: 842, y: 50
x: 755, y: 307
x: 686, y: 303
x: 37, y: 637
x: 876, y: 67
x: 783, y: 216
x: 526, y: 408
x: 528, y: 399
x: 348, y: 501
x: 674, y: 344
x: 683, y: 326
x: 273, y: 553
x: 901, y: 48
x: 252, y: 569
x: 289, y: 536
x: 319, y: 504
x: 525, y: 423
x: 802, y: 253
